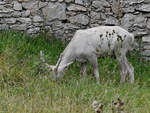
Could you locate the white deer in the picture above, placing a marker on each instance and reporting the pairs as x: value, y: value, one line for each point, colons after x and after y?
x: 89, y: 44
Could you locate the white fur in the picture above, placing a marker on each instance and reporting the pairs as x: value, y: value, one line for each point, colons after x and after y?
x: 89, y: 44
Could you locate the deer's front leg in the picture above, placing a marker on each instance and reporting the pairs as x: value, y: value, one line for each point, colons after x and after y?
x: 94, y: 63
x: 83, y: 69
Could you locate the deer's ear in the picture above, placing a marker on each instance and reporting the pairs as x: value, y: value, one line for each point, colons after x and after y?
x: 66, y: 66
x: 52, y: 67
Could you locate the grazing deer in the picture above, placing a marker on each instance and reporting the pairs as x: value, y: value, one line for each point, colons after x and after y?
x: 89, y: 44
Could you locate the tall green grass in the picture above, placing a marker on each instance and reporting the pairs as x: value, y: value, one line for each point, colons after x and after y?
x: 27, y: 87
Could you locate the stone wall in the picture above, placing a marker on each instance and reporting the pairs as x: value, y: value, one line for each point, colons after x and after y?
x: 64, y: 17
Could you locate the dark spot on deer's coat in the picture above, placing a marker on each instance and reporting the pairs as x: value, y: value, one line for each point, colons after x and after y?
x: 119, y: 38
x: 106, y: 33
x: 114, y: 31
x: 109, y: 34
x: 101, y: 35
x: 109, y: 44
x: 97, y: 50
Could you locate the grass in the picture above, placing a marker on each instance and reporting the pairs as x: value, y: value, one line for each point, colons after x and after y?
x: 27, y: 87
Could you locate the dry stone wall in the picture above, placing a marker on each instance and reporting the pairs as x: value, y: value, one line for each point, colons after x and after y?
x: 64, y: 17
